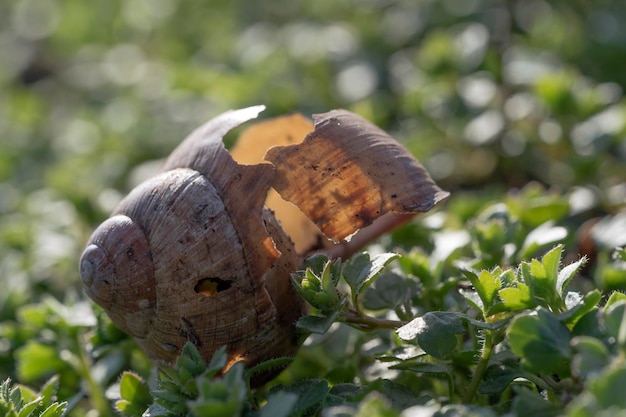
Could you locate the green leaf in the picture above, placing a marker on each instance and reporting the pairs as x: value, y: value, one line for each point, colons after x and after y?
x: 615, y: 320
x: 390, y: 291
x: 487, y: 284
x: 135, y: 394
x: 279, y: 404
x: 375, y: 405
x: 49, y: 390
x: 543, y: 236
x: 517, y: 298
x: 220, y: 397
x: 156, y: 410
x: 191, y: 360
x: 317, y: 324
x: 498, y: 377
x: 551, y: 262
x: 36, y: 360
x: 590, y: 358
x: 567, y: 273
x: 218, y: 361
x: 541, y: 285
x: 589, y: 303
x: 54, y: 410
x: 436, y: 332
x: 399, y: 395
x: 541, y: 341
x: 615, y: 297
x: 318, y: 286
x: 428, y: 368
x: 530, y: 404
x: 608, y: 387
x: 362, y: 270
x: 473, y: 299
x: 310, y: 393
x: 27, y: 409
x: 417, y: 264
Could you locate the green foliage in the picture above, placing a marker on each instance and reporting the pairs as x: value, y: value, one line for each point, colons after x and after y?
x: 20, y: 401
x: 519, y: 339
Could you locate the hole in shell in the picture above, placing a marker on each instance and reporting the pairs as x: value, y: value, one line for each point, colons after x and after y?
x: 211, y: 286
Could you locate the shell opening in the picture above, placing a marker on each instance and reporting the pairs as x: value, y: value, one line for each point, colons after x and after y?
x: 211, y: 286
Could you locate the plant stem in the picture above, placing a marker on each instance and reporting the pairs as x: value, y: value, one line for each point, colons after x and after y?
x: 366, y: 322
x: 481, y: 367
x: 96, y: 393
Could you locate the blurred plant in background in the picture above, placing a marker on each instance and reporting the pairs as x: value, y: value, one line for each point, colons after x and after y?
x: 490, y: 95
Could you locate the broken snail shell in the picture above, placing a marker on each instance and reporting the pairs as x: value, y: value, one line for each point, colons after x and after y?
x: 194, y: 254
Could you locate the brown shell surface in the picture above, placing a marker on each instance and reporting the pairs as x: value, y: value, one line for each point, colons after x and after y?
x: 348, y: 172
x: 118, y: 274
x: 251, y: 147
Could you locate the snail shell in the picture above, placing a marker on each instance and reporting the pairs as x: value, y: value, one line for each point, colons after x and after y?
x: 193, y: 254
x: 187, y: 256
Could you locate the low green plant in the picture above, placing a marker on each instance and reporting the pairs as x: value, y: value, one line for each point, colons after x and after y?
x: 482, y: 313
x: 21, y: 401
x: 524, y: 343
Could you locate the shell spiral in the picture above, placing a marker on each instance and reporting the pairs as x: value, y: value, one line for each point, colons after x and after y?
x: 118, y: 273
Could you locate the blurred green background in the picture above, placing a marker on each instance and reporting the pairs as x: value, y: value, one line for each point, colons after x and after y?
x: 490, y: 95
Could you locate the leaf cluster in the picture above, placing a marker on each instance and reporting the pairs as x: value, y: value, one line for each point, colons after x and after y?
x: 20, y: 401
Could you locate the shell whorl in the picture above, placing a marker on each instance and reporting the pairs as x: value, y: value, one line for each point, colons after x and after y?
x: 118, y: 273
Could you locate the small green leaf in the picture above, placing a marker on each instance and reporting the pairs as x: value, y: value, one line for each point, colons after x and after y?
x: 487, y: 284
x: 310, y: 393
x: 191, y: 360
x: 615, y: 297
x: 589, y: 303
x: 531, y: 404
x: 417, y: 264
x: 135, y: 395
x: 608, y: 387
x: 542, y: 287
x: 316, y: 324
x: 541, y: 341
x: 399, y: 395
x: 428, y: 368
x: 54, y: 410
x: 551, y: 262
x: 591, y: 356
x: 49, y: 390
x: 27, y: 409
x: 498, y: 377
x: 156, y: 410
x: 615, y: 320
x: 220, y: 397
x: 436, y: 332
x: 389, y: 292
x: 567, y: 273
x: 362, y: 270
x: 473, y: 299
x: 218, y: 361
x: 517, y: 298
x: 279, y: 404
x: 329, y: 282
